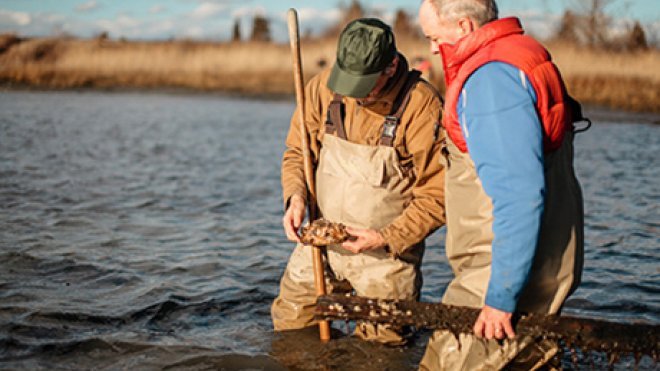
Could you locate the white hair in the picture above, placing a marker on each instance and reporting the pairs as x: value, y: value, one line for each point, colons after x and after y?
x: 481, y: 11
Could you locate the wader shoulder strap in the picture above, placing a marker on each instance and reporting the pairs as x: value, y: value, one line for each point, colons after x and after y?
x: 334, y: 122
x: 400, y: 103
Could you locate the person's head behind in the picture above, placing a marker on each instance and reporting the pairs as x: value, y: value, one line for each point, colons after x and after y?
x: 366, y: 58
x: 447, y: 21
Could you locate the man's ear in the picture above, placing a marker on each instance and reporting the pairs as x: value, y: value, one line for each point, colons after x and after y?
x: 391, y: 69
x: 466, y: 25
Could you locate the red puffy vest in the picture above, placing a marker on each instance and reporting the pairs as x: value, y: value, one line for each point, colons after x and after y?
x: 503, y: 41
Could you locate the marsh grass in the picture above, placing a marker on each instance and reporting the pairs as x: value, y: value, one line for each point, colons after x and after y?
x: 629, y: 81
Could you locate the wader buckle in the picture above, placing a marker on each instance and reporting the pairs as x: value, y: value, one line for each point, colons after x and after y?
x: 389, y: 126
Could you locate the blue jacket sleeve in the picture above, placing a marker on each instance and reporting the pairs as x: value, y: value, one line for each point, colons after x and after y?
x: 505, y: 140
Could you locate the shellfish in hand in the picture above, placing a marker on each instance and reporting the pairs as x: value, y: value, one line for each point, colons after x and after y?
x: 323, y: 233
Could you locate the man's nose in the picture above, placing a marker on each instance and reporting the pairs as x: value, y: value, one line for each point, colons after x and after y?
x: 435, y: 49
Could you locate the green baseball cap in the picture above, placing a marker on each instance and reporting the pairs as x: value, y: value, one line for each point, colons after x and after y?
x: 366, y: 46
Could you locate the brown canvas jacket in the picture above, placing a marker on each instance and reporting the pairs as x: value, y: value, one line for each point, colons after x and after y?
x: 417, y: 143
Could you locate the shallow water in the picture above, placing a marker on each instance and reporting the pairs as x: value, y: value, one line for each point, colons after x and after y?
x: 143, y: 231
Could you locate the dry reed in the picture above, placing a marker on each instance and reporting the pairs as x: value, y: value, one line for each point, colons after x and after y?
x: 629, y: 81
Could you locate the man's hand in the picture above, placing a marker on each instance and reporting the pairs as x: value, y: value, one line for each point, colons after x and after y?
x: 293, y: 217
x: 366, y: 239
x: 493, y: 324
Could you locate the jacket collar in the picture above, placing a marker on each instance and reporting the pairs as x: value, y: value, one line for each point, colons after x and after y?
x: 453, y: 56
x: 383, y: 104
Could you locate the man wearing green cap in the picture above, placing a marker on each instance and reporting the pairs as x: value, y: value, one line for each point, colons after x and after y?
x: 375, y: 138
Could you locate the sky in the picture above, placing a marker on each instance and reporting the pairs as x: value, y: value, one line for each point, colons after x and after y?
x: 213, y: 19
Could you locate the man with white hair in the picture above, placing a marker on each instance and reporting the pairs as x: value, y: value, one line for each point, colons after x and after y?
x: 513, y: 203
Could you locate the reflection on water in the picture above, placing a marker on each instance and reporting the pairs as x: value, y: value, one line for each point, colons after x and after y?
x: 144, y: 231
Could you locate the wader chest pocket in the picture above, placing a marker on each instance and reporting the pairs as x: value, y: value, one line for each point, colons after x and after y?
x: 356, y: 169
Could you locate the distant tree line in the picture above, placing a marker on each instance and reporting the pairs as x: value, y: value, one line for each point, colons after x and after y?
x: 585, y: 23
x: 260, y: 29
x: 403, y: 24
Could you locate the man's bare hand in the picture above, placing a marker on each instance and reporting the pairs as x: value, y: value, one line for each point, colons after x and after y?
x: 365, y: 239
x: 293, y: 217
x: 493, y: 324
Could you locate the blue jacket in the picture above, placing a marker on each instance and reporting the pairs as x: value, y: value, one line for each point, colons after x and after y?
x: 504, y: 136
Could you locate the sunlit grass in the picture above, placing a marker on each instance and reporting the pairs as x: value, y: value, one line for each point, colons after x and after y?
x: 619, y: 80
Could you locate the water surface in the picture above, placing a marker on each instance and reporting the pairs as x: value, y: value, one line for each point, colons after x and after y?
x: 143, y: 231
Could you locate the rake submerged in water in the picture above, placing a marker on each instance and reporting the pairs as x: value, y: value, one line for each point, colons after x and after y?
x: 612, y: 338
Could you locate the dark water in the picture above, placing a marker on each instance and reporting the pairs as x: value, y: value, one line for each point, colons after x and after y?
x: 143, y: 232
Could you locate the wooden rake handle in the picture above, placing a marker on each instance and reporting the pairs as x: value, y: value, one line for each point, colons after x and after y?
x: 319, y: 279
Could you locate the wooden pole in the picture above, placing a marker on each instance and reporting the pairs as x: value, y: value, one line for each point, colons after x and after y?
x: 319, y: 278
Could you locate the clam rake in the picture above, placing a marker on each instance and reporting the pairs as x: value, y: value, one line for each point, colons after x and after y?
x: 612, y: 338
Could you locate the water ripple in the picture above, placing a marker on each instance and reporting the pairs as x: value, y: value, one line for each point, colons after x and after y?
x: 149, y: 237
